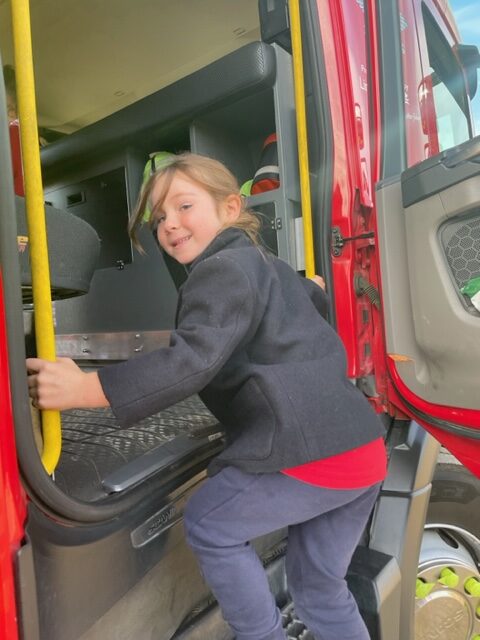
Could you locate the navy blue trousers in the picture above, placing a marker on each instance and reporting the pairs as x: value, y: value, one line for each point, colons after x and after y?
x: 324, y: 527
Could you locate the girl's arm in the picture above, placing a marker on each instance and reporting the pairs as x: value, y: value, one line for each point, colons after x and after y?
x: 315, y: 288
x: 63, y: 385
x: 215, y: 314
x: 217, y: 308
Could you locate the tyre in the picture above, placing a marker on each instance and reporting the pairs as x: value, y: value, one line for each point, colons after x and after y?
x: 455, y: 498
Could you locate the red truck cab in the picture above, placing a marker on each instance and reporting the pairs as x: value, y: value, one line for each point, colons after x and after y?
x: 97, y: 550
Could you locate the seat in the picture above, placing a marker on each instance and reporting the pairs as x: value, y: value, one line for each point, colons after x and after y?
x: 74, y: 248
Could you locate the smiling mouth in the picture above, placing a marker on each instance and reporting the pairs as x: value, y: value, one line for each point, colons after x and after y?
x: 181, y: 241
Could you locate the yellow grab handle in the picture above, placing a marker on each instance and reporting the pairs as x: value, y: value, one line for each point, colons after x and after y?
x: 44, y: 333
x: 302, y: 143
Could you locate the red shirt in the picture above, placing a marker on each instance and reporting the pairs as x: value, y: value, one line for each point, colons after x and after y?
x: 354, y: 469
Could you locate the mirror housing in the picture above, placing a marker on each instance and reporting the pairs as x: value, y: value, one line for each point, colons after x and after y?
x: 469, y: 58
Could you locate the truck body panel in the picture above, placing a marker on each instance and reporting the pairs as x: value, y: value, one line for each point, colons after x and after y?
x: 98, y: 550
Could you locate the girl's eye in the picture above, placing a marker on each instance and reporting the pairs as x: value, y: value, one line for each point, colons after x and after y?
x: 184, y: 207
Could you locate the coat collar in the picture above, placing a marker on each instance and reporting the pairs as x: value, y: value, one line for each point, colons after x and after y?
x: 230, y: 238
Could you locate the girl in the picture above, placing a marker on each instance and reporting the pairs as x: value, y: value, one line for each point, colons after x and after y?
x: 304, y: 449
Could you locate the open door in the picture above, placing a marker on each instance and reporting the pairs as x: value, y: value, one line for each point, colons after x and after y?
x: 429, y: 237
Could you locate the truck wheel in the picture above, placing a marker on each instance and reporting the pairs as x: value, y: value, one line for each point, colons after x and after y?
x: 447, y: 603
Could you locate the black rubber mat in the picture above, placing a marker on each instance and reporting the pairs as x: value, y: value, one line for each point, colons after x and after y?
x: 206, y: 620
x: 94, y: 446
x: 214, y: 627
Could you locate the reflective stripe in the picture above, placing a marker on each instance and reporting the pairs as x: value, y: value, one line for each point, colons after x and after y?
x: 267, y: 169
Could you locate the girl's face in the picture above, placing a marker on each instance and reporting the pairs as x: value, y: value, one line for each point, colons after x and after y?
x: 189, y: 218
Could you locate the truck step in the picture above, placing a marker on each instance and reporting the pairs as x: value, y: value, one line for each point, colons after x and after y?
x: 212, y: 626
x: 294, y: 628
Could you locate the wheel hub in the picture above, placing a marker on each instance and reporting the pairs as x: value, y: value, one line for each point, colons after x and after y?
x: 443, y: 615
x: 447, y: 605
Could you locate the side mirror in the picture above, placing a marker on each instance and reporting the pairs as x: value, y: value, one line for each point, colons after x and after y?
x: 469, y: 57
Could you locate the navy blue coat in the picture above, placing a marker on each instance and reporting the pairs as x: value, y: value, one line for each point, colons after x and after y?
x: 251, y: 340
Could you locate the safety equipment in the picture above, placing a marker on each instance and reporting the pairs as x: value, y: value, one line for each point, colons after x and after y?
x: 267, y: 176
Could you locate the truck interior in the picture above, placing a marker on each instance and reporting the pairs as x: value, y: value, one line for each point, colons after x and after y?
x: 94, y: 175
x: 104, y: 541
x: 206, y: 112
x: 195, y: 79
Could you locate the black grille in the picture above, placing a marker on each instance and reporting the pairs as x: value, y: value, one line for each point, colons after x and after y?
x: 462, y: 250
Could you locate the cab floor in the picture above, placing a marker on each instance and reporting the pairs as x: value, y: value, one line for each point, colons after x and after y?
x: 94, y: 445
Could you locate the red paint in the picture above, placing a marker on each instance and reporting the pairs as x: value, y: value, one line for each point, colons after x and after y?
x: 465, y: 417
x: 382, y: 401
x: 14, y: 129
x: 465, y: 449
x: 356, y: 126
x: 342, y: 188
x: 12, y: 497
x: 348, y: 85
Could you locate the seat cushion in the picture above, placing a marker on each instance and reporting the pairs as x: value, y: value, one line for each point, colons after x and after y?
x: 73, y: 249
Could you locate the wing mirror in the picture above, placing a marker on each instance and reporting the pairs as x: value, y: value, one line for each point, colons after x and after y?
x: 469, y: 58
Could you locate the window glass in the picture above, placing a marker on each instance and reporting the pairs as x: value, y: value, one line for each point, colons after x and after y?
x: 448, y: 88
x: 416, y: 133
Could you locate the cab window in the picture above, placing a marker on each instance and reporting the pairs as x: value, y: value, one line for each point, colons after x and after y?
x: 448, y: 88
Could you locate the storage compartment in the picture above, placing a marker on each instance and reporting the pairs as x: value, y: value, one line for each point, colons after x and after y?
x: 102, y: 202
x: 225, y: 110
x: 235, y: 135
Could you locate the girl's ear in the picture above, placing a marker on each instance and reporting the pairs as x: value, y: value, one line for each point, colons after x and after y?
x: 232, y: 207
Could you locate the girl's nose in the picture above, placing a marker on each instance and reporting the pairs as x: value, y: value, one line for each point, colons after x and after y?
x: 171, y: 222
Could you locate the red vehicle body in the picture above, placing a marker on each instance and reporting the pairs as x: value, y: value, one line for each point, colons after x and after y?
x: 13, y: 503
x: 375, y: 103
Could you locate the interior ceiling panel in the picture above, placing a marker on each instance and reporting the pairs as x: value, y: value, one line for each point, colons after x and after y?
x: 93, y: 57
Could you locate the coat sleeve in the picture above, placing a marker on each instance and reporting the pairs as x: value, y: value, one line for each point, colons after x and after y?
x: 317, y: 296
x: 215, y: 314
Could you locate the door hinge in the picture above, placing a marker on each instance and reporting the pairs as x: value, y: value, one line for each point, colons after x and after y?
x: 338, y: 241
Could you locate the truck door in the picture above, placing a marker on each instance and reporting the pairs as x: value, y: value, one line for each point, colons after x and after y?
x: 429, y: 224
x: 429, y: 237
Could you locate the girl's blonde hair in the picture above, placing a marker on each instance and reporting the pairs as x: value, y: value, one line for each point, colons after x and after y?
x: 210, y: 174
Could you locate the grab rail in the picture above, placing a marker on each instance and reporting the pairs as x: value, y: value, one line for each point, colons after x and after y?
x: 44, y: 332
x: 302, y: 141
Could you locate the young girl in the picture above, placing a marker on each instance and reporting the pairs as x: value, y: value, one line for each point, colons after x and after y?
x: 304, y: 449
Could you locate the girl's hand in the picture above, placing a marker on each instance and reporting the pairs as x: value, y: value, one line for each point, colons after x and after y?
x: 318, y: 280
x: 63, y: 385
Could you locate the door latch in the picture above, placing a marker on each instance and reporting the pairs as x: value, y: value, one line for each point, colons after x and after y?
x: 338, y: 241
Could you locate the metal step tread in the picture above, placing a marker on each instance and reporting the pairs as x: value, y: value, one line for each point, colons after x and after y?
x: 94, y: 446
x: 294, y: 628
x: 213, y: 626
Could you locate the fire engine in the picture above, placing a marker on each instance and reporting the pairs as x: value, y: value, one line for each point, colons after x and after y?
x: 378, y: 190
